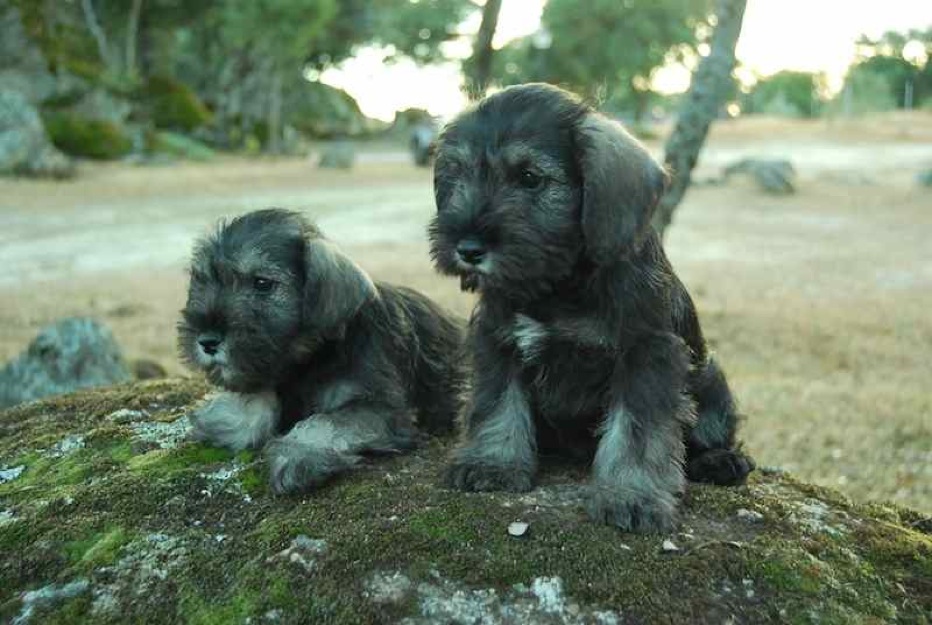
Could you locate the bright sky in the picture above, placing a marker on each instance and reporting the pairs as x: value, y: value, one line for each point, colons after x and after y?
x: 811, y: 35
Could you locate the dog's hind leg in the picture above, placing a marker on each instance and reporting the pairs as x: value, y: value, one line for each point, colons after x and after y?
x: 711, y: 453
x: 325, y: 444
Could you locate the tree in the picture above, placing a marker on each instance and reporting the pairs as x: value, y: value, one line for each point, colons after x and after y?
x: 289, y: 28
x: 479, y: 67
x: 712, y: 83
x: 884, y: 60
x: 788, y: 92
x: 609, y: 49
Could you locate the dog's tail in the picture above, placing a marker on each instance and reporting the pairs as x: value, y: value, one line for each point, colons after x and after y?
x: 439, y: 363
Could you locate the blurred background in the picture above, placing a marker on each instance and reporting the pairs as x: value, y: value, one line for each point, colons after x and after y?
x: 129, y: 127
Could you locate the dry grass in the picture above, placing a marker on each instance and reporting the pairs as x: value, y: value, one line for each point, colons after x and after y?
x: 817, y: 304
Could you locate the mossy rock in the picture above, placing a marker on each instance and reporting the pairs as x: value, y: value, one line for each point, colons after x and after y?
x: 173, y: 105
x: 90, y: 138
x: 109, y: 516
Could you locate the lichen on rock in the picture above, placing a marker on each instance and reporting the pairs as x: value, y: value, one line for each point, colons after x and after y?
x: 182, y: 532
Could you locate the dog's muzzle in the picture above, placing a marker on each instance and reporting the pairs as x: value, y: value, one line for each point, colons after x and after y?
x: 470, y: 252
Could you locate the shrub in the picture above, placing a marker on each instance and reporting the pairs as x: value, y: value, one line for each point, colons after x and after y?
x: 174, y: 144
x: 174, y: 105
x: 91, y: 138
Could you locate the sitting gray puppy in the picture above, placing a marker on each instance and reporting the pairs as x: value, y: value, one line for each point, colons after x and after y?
x: 584, y: 340
x: 318, y: 362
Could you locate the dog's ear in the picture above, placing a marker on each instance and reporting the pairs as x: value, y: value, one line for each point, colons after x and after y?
x: 335, y: 288
x: 622, y: 184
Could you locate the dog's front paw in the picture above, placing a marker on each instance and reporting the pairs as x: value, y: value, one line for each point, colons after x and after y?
x: 488, y: 477
x: 724, y: 467
x: 632, y: 513
x: 293, y: 468
x: 530, y: 337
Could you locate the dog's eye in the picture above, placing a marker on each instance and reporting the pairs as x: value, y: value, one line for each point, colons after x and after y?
x: 530, y: 180
x: 263, y: 285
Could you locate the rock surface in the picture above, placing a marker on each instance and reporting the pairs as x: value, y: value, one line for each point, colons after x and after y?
x: 25, y: 148
x: 337, y: 155
x: 774, y: 176
x: 116, y: 518
x: 23, y: 67
x: 71, y: 354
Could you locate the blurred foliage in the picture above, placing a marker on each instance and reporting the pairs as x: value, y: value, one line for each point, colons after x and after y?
x: 609, y: 50
x: 175, y: 144
x: 91, y: 138
x: 173, y: 105
x: 232, y: 66
x: 787, y: 93
x: 883, y: 64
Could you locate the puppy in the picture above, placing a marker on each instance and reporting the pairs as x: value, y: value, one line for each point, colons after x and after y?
x: 319, y: 363
x: 583, y: 338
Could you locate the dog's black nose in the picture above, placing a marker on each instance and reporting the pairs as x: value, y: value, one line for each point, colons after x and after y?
x: 209, y: 342
x: 470, y: 251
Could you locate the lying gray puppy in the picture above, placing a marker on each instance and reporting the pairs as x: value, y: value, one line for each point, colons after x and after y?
x: 317, y: 362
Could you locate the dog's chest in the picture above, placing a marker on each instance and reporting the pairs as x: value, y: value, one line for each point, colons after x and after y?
x: 567, y: 382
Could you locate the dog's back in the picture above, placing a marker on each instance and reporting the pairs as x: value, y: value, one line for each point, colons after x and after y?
x: 433, y: 343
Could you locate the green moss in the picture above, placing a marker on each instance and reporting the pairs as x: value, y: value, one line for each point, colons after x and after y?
x: 391, y: 516
x: 789, y: 568
x: 174, y: 105
x: 71, y: 611
x: 90, y: 138
x: 167, y: 461
x: 98, y: 549
x: 254, y: 481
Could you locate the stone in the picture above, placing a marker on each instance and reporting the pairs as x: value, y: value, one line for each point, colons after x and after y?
x: 103, y: 105
x: 25, y: 148
x: 423, y: 136
x: 23, y: 67
x: 518, y: 529
x: 337, y: 155
x: 70, y: 354
x: 139, y: 530
x: 773, y: 176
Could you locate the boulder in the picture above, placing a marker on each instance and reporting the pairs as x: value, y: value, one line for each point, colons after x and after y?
x: 774, y: 176
x: 109, y: 515
x: 25, y: 148
x: 23, y: 67
x: 70, y: 354
x: 337, y: 155
x: 422, y: 141
x: 102, y: 105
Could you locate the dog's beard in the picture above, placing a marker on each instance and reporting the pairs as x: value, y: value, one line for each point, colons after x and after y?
x: 233, y: 367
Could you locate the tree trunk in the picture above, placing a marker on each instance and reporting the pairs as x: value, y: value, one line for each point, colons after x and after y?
x: 710, y: 88
x: 93, y: 25
x: 132, y: 36
x: 481, y: 61
x: 275, y: 112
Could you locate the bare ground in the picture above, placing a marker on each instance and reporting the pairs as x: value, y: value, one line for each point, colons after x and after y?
x: 817, y: 304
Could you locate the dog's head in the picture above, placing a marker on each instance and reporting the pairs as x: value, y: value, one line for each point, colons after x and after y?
x: 266, y: 290
x: 530, y: 182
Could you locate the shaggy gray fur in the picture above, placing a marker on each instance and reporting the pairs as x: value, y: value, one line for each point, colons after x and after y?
x: 319, y: 364
x: 583, y: 340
